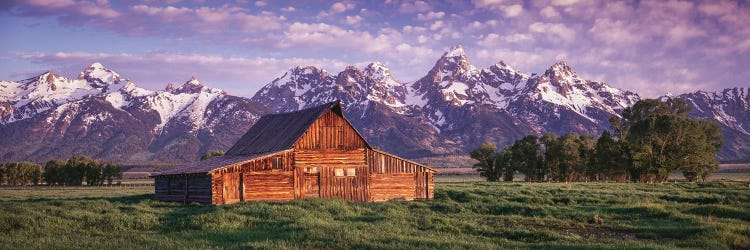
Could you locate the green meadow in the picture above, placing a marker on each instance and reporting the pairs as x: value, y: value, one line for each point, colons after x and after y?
x: 713, y: 215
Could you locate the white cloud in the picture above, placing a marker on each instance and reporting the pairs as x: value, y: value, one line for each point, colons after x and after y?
x: 288, y: 9
x: 487, y: 3
x: 416, y: 6
x: 436, y: 25
x: 340, y: 7
x: 564, y: 2
x: 260, y: 3
x: 209, y: 20
x: 549, y: 12
x: 353, y: 20
x: 616, y: 32
x: 554, y: 30
x: 325, y: 35
x: 430, y: 16
x: 513, y: 10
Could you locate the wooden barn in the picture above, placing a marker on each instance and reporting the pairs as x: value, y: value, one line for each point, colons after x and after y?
x: 309, y: 153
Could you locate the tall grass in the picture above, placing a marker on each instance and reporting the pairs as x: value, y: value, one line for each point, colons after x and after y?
x: 462, y: 216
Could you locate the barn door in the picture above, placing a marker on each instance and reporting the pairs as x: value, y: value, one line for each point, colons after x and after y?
x: 232, y: 187
x: 312, y: 182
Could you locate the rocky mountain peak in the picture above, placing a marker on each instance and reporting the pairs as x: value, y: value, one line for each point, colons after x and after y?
x: 455, y: 52
x: 170, y: 87
x: 454, y: 65
x: 49, y: 77
x: 378, y: 72
x: 99, y: 76
x: 351, y: 75
x: 192, y: 86
x: 560, y: 69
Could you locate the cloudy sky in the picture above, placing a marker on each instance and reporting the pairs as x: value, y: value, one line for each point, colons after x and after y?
x: 651, y: 47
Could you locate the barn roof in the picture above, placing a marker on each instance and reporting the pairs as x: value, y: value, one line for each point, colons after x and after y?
x: 215, y: 163
x: 276, y: 132
x: 272, y: 134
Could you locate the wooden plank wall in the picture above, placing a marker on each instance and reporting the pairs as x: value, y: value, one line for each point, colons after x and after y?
x: 269, y: 185
x: 390, y: 186
x: 260, y: 165
x: 330, y: 131
x: 353, y: 188
x: 173, y: 188
x: 327, y: 161
x: 422, y: 182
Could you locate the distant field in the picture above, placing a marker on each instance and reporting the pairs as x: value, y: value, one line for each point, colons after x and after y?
x: 462, y: 216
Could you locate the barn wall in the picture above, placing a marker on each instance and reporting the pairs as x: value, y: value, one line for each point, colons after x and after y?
x: 390, y: 186
x: 259, y: 175
x: 269, y: 185
x: 386, y: 167
x: 330, y: 132
x: 326, y: 163
x: 183, y: 188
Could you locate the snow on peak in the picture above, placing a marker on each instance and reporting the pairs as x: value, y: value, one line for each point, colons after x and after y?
x: 194, y: 81
x: 99, y: 76
x: 378, y: 72
x: 170, y: 87
x: 96, y: 65
x: 561, y: 68
x: 190, y: 86
x: 455, y: 51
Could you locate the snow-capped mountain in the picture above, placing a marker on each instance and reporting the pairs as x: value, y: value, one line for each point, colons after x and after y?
x: 731, y: 109
x: 104, y: 115
x: 456, y: 106
x: 449, y: 111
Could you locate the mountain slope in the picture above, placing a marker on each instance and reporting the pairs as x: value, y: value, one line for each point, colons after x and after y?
x: 449, y: 111
x: 105, y: 116
x: 731, y: 109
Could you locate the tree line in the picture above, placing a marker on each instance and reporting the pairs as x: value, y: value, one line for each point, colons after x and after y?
x: 651, y: 140
x: 72, y: 172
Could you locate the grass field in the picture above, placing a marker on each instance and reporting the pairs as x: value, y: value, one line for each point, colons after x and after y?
x: 462, y: 216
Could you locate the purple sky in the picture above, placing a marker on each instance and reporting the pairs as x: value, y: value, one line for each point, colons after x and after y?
x: 651, y: 47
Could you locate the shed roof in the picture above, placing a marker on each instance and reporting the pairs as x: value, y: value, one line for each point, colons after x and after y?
x: 276, y: 132
x: 214, y: 163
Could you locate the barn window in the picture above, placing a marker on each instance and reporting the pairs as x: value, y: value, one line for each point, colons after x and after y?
x: 312, y: 170
x: 277, y: 162
x: 346, y: 172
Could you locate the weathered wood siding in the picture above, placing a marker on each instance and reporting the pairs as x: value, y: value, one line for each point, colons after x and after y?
x: 326, y: 163
x: 183, y: 188
x: 329, y: 132
x: 269, y: 185
x: 390, y: 186
x: 256, y: 175
x: 390, y: 168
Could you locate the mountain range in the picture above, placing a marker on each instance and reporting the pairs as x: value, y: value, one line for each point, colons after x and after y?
x: 449, y: 111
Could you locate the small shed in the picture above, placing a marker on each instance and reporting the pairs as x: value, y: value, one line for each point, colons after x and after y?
x: 310, y: 153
